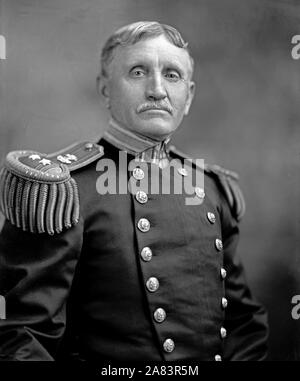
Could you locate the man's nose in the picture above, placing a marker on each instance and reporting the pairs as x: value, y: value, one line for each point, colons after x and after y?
x: 155, y: 88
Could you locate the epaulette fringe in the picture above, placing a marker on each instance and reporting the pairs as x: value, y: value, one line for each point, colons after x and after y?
x: 38, y: 202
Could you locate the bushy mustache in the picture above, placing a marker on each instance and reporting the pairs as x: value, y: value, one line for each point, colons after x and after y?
x: 154, y: 105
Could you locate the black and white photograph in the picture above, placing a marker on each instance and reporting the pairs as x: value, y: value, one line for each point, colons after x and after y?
x: 149, y: 183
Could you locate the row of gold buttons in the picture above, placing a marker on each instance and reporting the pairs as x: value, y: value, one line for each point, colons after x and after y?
x: 219, y: 246
x: 152, y: 284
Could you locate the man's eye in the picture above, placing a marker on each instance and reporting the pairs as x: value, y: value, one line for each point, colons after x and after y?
x: 172, y: 76
x: 137, y: 72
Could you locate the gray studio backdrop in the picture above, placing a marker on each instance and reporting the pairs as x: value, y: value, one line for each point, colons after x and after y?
x: 246, y: 113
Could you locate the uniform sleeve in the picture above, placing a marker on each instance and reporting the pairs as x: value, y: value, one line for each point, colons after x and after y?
x: 245, y: 318
x: 36, y: 272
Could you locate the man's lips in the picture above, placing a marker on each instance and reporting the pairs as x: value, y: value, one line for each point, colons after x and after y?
x: 155, y: 110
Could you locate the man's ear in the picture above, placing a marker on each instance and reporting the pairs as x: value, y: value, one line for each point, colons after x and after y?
x: 190, y: 97
x: 103, y: 89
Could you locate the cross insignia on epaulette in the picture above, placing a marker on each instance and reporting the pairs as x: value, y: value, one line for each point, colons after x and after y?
x: 34, y: 157
x: 45, y: 161
x: 67, y: 159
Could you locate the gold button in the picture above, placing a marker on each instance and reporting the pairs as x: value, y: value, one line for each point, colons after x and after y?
x: 200, y: 192
x: 152, y: 284
x: 223, y: 273
x: 138, y: 173
x: 219, y: 244
x: 144, y: 225
x: 146, y: 254
x: 141, y: 197
x: 89, y: 146
x: 223, y: 332
x: 211, y: 217
x: 169, y: 345
x: 218, y: 358
x: 159, y: 315
x: 182, y: 171
x: 224, y: 302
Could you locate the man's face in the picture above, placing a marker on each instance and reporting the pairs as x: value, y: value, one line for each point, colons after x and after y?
x: 148, y: 88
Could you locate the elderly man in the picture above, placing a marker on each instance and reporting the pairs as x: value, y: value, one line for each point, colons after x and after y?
x: 93, y: 270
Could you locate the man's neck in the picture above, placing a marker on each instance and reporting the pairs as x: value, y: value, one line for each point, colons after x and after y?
x: 143, y: 148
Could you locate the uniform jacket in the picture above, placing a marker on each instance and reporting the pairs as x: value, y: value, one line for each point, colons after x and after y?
x: 88, y: 293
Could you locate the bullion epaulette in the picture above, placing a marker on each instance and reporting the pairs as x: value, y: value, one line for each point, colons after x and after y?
x: 37, y: 192
x: 228, y: 182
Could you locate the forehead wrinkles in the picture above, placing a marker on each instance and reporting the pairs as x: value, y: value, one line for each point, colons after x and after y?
x: 152, y: 53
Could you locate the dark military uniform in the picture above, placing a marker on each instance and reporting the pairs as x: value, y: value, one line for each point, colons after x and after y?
x: 121, y: 276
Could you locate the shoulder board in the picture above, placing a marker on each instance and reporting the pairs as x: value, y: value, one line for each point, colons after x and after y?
x: 37, y: 192
x: 227, y: 180
x: 77, y: 155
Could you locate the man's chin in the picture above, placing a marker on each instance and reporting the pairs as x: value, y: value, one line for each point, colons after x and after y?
x: 158, y: 130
